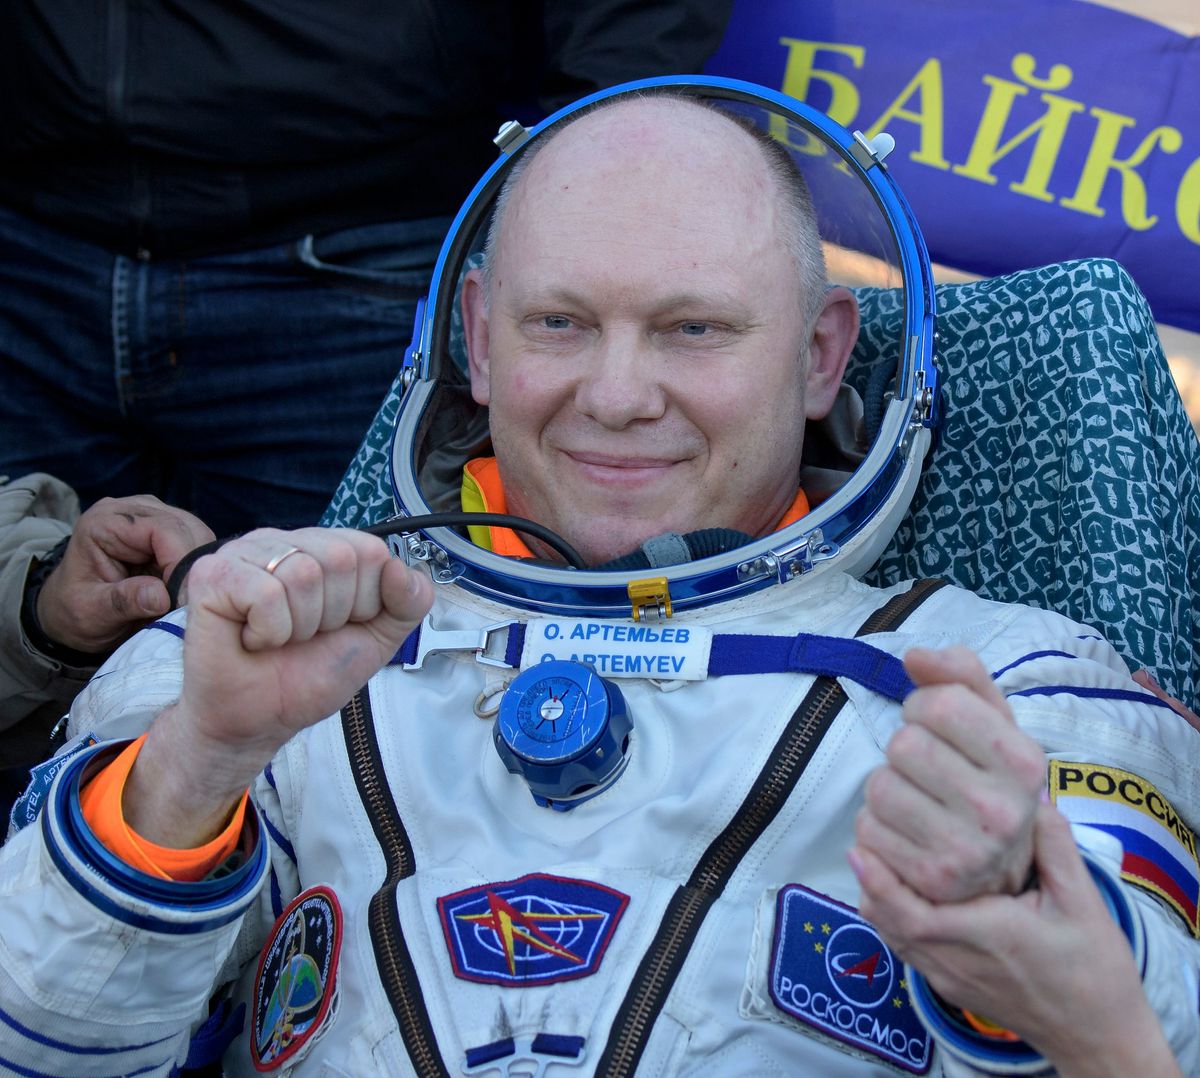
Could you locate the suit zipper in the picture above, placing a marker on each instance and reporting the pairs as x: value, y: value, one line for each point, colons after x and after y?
x: 659, y: 968
x: 396, y: 970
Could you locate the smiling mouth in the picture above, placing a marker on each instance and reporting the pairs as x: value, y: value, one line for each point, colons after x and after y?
x: 606, y: 468
x: 605, y: 460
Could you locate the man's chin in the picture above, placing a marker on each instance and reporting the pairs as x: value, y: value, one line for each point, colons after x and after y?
x: 603, y: 529
x: 600, y: 545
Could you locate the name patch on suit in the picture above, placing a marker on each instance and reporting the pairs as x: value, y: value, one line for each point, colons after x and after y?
x: 1160, y: 849
x: 621, y: 649
x: 41, y: 777
x: 831, y: 970
x: 534, y: 930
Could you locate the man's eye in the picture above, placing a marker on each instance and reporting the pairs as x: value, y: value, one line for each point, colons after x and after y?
x: 556, y: 321
x: 694, y: 329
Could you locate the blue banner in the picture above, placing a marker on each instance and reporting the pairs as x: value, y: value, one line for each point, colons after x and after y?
x: 1027, y: 131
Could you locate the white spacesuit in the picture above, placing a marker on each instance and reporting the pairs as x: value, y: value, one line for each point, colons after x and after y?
x: 560, y: 834
x: 496, y: 921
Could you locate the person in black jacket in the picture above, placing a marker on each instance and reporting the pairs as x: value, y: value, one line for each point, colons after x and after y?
x: 215, y: 219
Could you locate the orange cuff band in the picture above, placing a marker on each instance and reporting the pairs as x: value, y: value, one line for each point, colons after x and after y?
x: 987, y: 1028
x: 100, y: 801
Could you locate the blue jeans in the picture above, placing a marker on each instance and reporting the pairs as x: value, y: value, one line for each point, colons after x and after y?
x: 236, y: 386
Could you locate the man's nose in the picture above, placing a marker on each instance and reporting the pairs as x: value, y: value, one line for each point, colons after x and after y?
x: 621, y: 381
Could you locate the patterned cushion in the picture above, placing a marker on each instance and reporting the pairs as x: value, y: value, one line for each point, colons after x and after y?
x: 1066, y: 473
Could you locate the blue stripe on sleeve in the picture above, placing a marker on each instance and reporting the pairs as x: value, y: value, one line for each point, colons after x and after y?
x: 1029, y: 658
x: 1090, y: 693
x: 1137, y: 843
x: 278, y: 837
x: 276, y: 896
x: 63, y: 1046
x: 27, y: 1072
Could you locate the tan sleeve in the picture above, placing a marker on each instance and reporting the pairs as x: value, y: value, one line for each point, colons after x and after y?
x: 36, y: 511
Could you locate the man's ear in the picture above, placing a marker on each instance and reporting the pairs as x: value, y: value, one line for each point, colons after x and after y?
x: 475, y: 331
x: 834, y: 332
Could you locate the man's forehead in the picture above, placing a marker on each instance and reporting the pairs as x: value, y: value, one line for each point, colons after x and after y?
x: 658, y: 163
x: 658, y: 131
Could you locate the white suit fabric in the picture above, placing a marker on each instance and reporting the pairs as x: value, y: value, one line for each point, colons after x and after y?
x: 100, y: 980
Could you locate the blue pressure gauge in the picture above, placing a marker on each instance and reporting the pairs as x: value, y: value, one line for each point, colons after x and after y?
x: 565, y: 730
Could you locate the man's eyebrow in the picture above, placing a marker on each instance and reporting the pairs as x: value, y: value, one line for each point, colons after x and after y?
x: 717, y: 302
x: 552, y: 296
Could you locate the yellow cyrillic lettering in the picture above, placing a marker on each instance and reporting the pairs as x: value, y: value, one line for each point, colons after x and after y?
x: 1187, y: 203
x: 1024, y: 66
x: 1048, y: 132
x: 1102, y: 159
x: 928, y: 83
x: 801, y: 71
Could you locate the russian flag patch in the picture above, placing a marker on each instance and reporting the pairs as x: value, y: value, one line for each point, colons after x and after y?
x: 831, y: 970
x: 534, y: 930
x: 1160, y: 849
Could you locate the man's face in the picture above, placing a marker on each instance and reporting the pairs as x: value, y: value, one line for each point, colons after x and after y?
x: 643, y: 351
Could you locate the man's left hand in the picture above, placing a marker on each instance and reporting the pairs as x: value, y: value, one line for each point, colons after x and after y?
x: 952, y: 811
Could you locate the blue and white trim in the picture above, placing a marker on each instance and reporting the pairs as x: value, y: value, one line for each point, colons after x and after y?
x: 131, y: 896
x: 56, y: 1057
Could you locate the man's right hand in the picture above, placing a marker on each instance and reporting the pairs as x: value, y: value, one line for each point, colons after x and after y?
x: 265, y: 655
